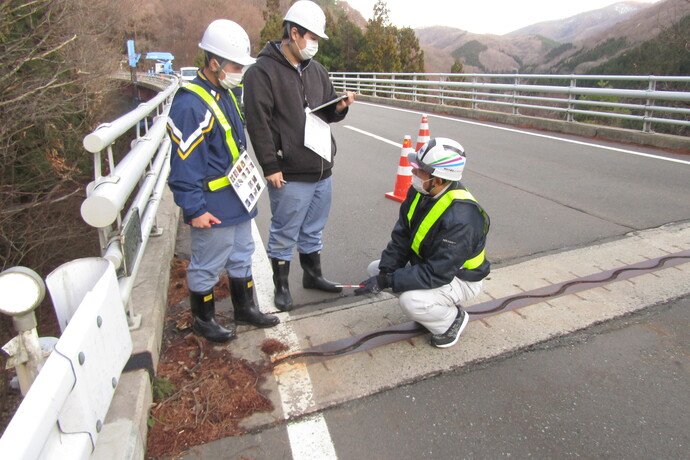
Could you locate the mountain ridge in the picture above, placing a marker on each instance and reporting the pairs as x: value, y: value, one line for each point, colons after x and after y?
x: 599, y: 35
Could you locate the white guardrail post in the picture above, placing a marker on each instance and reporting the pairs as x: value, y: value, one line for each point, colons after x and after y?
x: 571, y: 98
x: 649, y: 107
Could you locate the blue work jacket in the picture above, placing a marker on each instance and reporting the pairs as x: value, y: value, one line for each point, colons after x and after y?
x: 200, y: 153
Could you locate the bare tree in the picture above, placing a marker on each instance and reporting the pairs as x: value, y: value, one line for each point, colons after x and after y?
x: 55, y: 60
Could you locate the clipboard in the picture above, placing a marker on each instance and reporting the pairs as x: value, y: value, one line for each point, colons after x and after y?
x: 334, y: 101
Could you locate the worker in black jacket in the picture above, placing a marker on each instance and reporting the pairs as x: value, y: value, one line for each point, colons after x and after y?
x: 436, y: 256
x: 281, y: 93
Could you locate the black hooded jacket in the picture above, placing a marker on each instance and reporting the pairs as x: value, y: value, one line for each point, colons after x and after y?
x: 275, y: 96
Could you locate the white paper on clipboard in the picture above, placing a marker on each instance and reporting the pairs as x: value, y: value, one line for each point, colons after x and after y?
x: 317, y: 135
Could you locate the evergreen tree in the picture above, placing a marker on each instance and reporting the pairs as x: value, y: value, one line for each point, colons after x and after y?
x: 380, y: 48
x: 339, y: 54
x: 350, y: 38
x: 411, y: 54
x: 273, y: 29
x: 457, y: 68
x: 329, y: 49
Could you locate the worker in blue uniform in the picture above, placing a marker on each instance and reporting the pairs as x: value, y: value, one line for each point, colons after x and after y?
x: 207, y: 133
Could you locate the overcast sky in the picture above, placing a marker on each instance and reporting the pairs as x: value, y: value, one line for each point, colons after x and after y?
x: 480, y: 16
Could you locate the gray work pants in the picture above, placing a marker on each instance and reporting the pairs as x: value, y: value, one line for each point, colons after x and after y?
x: 436, y: 308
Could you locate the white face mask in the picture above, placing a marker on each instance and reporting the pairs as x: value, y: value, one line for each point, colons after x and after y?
x: 309, y: 50
x: 418, y: 184
x: 231, y: 80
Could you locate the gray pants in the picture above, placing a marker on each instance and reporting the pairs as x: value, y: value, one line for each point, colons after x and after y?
x: 299, y: 211
x: 435, y: 309
x: 218, y: 248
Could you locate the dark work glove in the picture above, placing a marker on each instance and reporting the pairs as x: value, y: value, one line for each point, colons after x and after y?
x: 375, y: 284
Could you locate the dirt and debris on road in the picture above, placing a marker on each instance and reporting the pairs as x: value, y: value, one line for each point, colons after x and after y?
x: 201, y: 392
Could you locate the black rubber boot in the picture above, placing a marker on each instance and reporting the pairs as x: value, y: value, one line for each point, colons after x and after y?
x: 204, y: 311
x: 246, y: 311
x: 313, y: 279
x: 281, y: 270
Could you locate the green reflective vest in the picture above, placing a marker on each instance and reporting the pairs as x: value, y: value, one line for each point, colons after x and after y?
x: 436, y: 212
x: 205, y: 96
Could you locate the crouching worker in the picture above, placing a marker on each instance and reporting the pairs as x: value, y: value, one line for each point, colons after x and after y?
x: 435, y: 258
x: 207, y: 134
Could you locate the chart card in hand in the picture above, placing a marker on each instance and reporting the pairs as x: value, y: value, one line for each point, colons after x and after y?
x: 246, y: 180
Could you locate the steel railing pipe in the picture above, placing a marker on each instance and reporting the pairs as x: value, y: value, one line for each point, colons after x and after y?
x: 107, y: 133
x: 567, y: 91
x: 108, y: 196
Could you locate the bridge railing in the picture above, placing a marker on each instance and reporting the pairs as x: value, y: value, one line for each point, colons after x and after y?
x: 124, y: 232
x: 569, y: 97
x: 64, y: 408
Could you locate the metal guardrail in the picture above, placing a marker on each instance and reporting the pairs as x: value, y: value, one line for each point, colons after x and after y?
x: 566, y: 96
x: 64, y: 408
x: 145, y: 168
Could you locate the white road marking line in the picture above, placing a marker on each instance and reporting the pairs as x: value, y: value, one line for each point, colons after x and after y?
x: 513, y: 130
x: 263, y: 275
x: 366, y: 133
x: 309, y: 437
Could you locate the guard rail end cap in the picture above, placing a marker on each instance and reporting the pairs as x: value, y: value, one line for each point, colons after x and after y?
x: 98, y: 211
x: 93, y: 143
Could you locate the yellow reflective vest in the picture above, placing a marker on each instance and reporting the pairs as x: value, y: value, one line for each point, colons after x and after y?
x: 436, y: 212
x: 205, y: 96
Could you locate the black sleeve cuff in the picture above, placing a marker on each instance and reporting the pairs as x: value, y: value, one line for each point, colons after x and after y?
x: 384, y: 280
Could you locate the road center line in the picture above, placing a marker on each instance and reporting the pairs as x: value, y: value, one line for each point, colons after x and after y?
x: 513, y: 130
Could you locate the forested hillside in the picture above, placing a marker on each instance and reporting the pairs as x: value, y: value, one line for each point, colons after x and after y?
x: 667, y: 54
x: 354, y: 45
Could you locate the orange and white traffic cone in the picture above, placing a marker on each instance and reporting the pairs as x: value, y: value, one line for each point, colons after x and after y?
x: 404, y: 177
x: 424, y: 135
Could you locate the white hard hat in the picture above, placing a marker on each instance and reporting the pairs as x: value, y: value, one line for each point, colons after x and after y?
x: 440, y: 157
x: 309, y: 15
x: 228, y: 40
